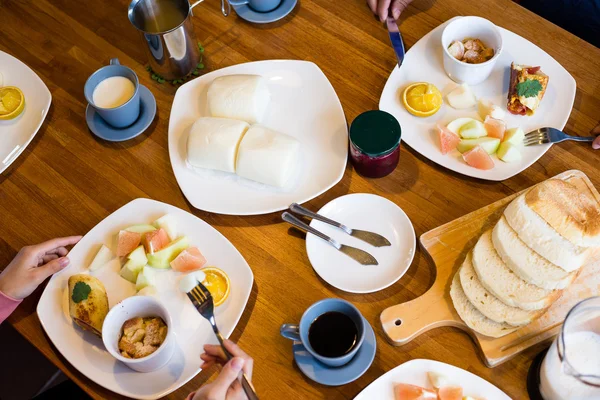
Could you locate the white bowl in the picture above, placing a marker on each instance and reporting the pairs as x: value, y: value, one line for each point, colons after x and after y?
x: 470, y: 27
x: 137, y: 306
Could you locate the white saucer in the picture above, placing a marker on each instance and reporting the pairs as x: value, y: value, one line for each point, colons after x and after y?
x: 372, y: 213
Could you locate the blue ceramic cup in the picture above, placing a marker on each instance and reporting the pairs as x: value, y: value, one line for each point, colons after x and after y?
x: 124, y: 115
x: 300, y: 332
x: 257, y: 5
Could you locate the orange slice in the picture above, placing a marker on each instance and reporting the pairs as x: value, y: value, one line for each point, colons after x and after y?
x: 218, y: 284
x: 422, y: 99
x: 12, y: 102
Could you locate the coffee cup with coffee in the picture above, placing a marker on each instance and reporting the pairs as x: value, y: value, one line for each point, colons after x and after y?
x: 113, y: 92
x: 331, y: 330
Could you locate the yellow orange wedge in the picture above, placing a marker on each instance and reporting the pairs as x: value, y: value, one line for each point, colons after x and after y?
x: 12, y: 102
x: 422, y: 99
x: 218, y: 284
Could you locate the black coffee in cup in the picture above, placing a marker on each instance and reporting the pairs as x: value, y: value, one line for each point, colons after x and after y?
x: 333, y: 334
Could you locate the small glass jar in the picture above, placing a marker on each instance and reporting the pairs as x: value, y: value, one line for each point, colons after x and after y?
x: 375, y: 143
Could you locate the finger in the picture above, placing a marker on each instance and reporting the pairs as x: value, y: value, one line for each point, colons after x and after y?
x: 53, y: 244
x: 398, y: 6
x: 49, y: 257
x: 61, y: 251
x: 372, y: 5
x: 206, y: 365
x: 50, y: 268
x: 215, y: 350
x: 228, y: 375
x: 383, y: 9
x: 596, y: 143
x: 238, y: 352
x: 596, y: 129
x: 236, y: 391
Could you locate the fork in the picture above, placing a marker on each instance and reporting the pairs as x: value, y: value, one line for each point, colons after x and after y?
x: 203, y: 301
x: 552, y: 135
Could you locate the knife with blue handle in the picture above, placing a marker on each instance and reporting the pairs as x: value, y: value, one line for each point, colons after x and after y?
x: 396, y: 39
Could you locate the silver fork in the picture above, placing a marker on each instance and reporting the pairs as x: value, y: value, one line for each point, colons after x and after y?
x: 552, y: 135
x: 203, y: 301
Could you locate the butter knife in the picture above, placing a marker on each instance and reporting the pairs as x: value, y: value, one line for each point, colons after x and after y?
x: 396, y: 39
x: 359, y: 255
x: 372, y: 238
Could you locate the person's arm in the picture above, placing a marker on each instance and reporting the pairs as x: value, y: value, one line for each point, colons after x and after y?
x: 386, y: 8
x: 30, y: 267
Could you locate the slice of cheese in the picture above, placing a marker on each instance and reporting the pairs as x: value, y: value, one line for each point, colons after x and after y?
x: 244, y: 97
x: 267, y: 156
x: 213, y: 143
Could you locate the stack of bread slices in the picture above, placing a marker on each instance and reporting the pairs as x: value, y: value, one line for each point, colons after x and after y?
x: 534, y: 252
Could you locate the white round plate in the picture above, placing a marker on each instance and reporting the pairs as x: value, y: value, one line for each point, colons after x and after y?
x: 86, y: 351
x: 414, y: 372
x: 303, y: 105
x: 423, y: 62
x: 371, y: 213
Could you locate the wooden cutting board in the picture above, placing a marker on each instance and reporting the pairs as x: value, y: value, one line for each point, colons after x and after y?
x: 448, y: 246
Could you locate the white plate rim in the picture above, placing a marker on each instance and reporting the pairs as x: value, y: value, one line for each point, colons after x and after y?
x: 41, y: 315
x: 44, y: 114
x: 476, y: 173
x: 406, y: 268
x: 421, y: 363
x: 172, y: 151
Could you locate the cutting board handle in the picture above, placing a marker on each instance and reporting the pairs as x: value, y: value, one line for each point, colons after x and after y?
x: 403, y: 322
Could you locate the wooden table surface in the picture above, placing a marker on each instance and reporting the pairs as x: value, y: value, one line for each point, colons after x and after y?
x: 67, y: 181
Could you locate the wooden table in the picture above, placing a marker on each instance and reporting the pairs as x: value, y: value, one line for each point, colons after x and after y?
x: 67, y: 180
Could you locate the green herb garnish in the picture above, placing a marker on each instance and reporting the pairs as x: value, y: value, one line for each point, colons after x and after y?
x: 81, y: 291
x: 529, y: 88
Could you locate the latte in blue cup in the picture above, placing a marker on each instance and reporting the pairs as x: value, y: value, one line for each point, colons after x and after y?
x: 113, y: 91
x: 331, y: 330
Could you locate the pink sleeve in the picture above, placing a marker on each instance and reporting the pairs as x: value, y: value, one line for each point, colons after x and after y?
x: 7, y: 306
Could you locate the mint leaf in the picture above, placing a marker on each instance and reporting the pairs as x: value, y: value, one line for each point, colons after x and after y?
x: 81, y: 291
x: 529, y: 88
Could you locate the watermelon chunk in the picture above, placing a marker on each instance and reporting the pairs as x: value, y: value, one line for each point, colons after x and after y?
x: 188, y: 260
x: 495, y: 127
x: 155, y: 240
x: 127, y: 242
x: 450, y: 393
x: 404, y: 391
x: 478, y: 158
x: 448, y: 139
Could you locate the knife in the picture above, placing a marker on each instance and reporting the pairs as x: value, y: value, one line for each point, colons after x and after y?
x: 374, y: 239
x: 396, y: 39
x: 359, y: 255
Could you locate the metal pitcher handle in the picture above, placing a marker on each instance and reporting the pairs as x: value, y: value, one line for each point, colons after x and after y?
x: 114, y: 61
x: 225, y: 6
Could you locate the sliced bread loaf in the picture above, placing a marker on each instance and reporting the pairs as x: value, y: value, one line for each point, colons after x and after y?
x: 573, y: 214
x: 472, y: 317
x: 526, y: 263
x: 487, y: 303
x: 542, y: 238
x: 499, y: 280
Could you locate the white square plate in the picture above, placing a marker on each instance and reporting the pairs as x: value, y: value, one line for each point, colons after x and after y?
x: 414, y: 372
x: 17, y: 133
x: 423, y: 63
x: 303, y: 105
x: 86, y: 352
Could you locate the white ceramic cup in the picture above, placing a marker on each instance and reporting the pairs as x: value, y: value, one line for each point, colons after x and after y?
x: 137, y: 306
x: 476, y: 28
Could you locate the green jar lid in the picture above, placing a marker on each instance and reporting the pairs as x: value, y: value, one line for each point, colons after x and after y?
x: 375, y: 133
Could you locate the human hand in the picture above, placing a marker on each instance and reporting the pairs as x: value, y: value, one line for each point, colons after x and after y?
x: 227, y: 385
x: 385, y: 8
x: 596, y: 143
x: 33, y: 264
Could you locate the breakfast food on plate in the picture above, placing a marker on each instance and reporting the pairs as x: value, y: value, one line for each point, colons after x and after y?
x: 213, y: 143
x: 489, y: 144
x: 146, y: 278
x: 127, y: 241
x: 479, y: 158
x: 136, y: 260
x: 190, y: 259
x: 102, y: 258
x: 486, y: 108
x: 422, y: 99
x: 462, y: 97
x: 508, y: 152
x: 470, y: 50
x: 494, y: 127
x: 88, y: 303
x: 12, y: 102
x: 442, y: 390
x: 218, y: 284
x: 267, y: 156
x: 404, y: 391
x: 526, y: 89
x: 168, y: 223
x: 189, y: 281
x: 448, y: 139
x: 162, y: 258
x: 142, y: 336
x: 155, y: 240
x: 242, y: 97
x: 535, y: 251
